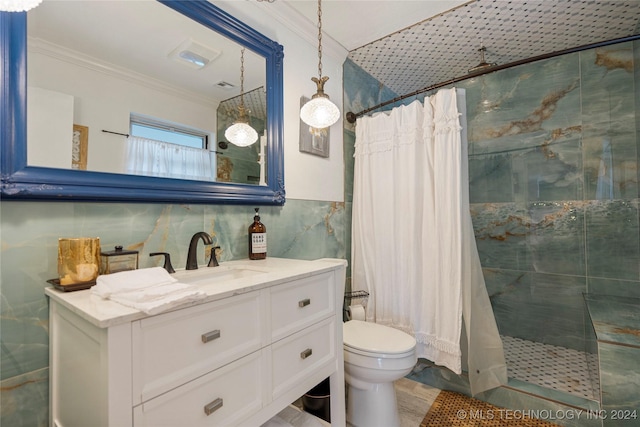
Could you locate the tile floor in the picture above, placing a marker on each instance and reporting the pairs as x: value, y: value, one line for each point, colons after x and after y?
x: 414, y: 400
x: 552, y: 366
x: 542, y: 364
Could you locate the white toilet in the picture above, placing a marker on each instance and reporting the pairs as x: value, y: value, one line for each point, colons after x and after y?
x: 374, y: 357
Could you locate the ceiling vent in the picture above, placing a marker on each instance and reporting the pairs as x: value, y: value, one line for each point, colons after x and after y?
x: 194, y: 54
x: 225, y: 85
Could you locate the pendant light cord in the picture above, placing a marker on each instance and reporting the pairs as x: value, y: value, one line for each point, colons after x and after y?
x: 242, y: 78
x: 319, y: 40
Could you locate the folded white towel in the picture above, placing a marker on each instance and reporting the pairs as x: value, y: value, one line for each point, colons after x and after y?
x: 151, y: 290
x: 158, y: 305
x: 127, y: 281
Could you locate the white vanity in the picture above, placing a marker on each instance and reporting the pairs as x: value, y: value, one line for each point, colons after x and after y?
x: 267, y: 332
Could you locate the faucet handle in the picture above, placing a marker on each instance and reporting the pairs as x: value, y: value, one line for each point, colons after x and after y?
x: 167, y: 261
x: 213, y: 261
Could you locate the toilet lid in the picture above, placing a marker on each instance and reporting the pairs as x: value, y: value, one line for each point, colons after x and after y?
x: 374, y: 338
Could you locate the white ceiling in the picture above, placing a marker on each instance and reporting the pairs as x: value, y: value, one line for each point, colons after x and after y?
x: 354, y: 23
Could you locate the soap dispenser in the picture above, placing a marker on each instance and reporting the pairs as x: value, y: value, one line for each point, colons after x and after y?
x: 257, y: 238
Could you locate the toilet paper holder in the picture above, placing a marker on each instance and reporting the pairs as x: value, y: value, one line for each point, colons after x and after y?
x: 351, y: 296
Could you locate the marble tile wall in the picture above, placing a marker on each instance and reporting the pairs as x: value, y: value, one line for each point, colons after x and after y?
x: 554, y: 188
x: 554, y: 149
x: 28, y: 257
x: 553, y: 182
x: 617, y: 327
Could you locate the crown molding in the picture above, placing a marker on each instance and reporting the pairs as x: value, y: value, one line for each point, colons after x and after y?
x: 306, y: 29
x: 287, y: 16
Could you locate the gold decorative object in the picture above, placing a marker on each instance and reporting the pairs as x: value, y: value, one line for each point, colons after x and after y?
x: 78, y: 260
x: 79, y: 147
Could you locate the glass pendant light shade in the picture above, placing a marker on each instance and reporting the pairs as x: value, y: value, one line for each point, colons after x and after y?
x: 241, y: 134
x: 18, y: 5
x: 319, y: 112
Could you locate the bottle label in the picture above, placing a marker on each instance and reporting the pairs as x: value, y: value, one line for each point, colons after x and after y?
x: 259, y: 243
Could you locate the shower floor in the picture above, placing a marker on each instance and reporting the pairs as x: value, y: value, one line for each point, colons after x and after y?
x: 552, y: 366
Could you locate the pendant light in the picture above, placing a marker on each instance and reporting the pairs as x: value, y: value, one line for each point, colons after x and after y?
x: 320, y: 112
x: 240, y: 133
x: 18, y: 5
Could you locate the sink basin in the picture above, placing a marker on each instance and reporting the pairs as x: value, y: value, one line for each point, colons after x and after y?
x: 213, y: 275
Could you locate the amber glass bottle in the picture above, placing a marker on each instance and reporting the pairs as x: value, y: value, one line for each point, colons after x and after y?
x: 257, y: 238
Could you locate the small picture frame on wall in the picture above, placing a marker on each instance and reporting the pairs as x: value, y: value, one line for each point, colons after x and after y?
x: 313, y: 141
x: 79, y: 147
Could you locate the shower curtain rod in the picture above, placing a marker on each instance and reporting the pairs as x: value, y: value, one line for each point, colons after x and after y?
x: 116, y: 133
x: 351, y: 117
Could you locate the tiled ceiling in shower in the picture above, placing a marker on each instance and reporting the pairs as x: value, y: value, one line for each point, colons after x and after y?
x: 447, y: 46
x: 254, y: 101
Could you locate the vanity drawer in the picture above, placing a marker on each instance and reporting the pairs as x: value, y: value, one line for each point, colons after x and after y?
x: 300, y: 304
x: 298, y: 356
x: 174, y: 348
x: 221, y: 398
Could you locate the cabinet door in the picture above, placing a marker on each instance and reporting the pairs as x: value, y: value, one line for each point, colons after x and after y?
x: 221, y: 398
x: 174, y: 348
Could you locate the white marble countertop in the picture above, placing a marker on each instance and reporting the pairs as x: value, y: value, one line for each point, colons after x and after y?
x: 272, y: 271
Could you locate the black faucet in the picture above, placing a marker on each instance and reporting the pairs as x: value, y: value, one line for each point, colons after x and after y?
x: 213, y: 261
x: 167, y: 261
x: 192, y: 257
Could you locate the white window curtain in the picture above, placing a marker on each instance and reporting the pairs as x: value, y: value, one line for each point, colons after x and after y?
x: 161, y: 159
x: 413, y: 247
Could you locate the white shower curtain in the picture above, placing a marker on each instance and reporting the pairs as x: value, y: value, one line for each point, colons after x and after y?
x: 413, y: 245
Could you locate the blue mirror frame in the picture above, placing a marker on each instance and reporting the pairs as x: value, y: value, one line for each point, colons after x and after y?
x: 22, y: 182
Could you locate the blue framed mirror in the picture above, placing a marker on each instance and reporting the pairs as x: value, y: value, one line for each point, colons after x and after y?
x: 23, y: 179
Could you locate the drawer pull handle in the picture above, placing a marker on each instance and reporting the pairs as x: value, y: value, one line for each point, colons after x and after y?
x: 213, y: 406
x: 210, y: 336
x: 308, y: 352
x: 303, y: 303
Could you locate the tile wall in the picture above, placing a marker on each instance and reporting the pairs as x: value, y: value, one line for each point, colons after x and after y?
x: 28, y: 256
x: 554, y: 188
x: 553, y: 166
x: 554, y: 149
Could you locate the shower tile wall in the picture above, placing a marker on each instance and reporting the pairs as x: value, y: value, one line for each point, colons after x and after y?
x: 300, y: 229
x: 554, y: 188
x: 554, y: 150
x: 553, y: 169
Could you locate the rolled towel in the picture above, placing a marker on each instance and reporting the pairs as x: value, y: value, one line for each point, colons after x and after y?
x: 127, y: 281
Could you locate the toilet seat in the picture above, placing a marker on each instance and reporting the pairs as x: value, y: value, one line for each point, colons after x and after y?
x: 374, y: 340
